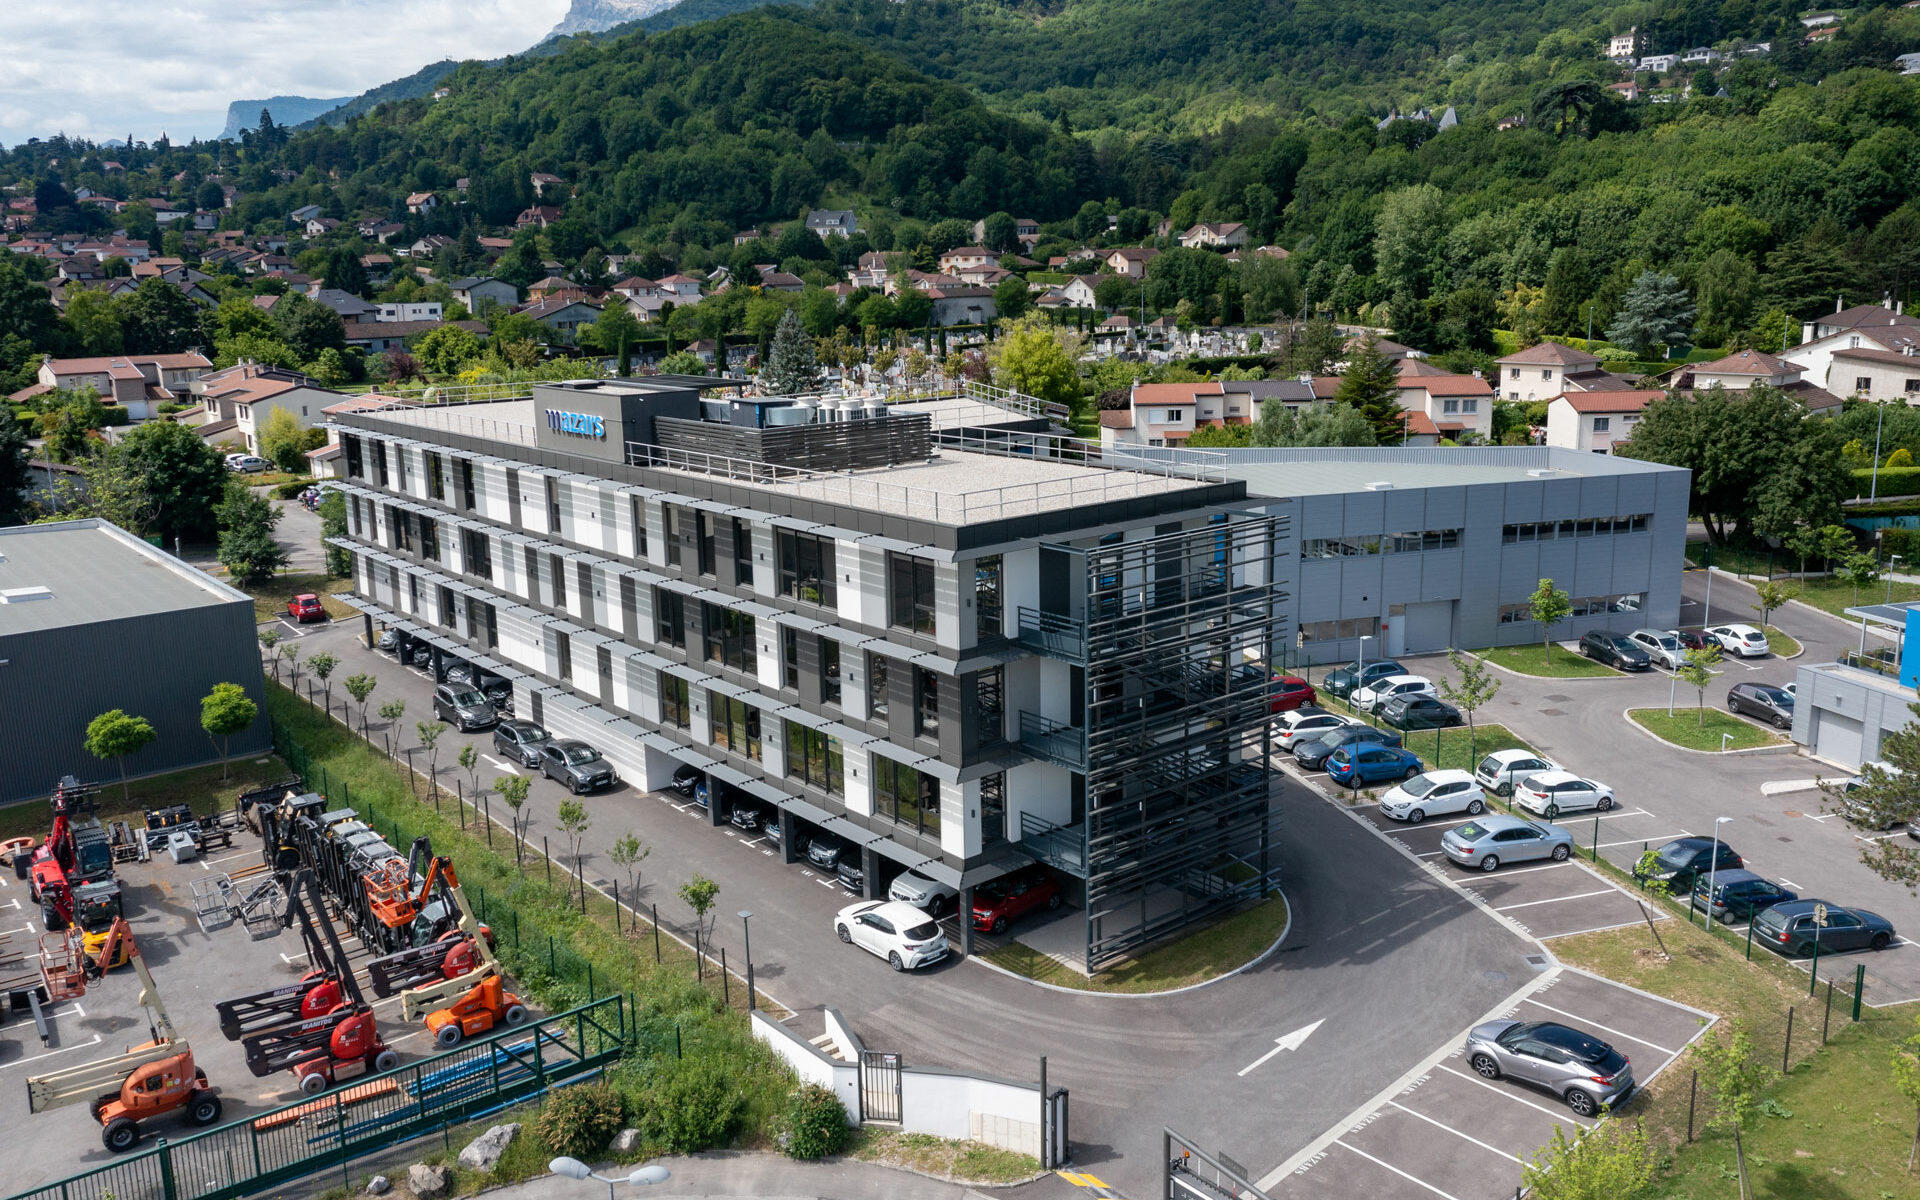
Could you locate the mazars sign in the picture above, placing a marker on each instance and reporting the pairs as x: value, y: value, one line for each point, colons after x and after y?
x: 578, y: 424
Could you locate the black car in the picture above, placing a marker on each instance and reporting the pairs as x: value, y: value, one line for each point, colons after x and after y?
x: 1614, y: 649
x: 1762, y: 702
x: 1356, y: 675
x: 1314, y: 754
x: 460, y: 672
x: 1793, y: 927
x: 463, y: 707
x: 1683, y: 860
x: 749, y: 817
x: 521, y: 741
x: 499, y: 691
x: 825, y: 852
x: 577, y: 765
x: 852, y: 874
x: 685, y: 779
x: 1417, y: 710
x: 1737, y: 894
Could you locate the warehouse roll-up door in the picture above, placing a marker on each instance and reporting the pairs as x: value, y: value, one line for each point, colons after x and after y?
x: 1428, y: 626
x: 1837, y: 738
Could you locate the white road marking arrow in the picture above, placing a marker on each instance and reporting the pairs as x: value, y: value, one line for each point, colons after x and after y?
x: 1286, y: 1041
x: 503, y: 766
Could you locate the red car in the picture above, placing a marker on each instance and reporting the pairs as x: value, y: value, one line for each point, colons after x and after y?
x: 1290, y: 692
x: 1013, y: 896
x: 306, y: 607
x: 1695, y: 639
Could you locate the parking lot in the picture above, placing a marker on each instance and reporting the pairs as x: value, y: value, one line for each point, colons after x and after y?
x: 1448, y: 1132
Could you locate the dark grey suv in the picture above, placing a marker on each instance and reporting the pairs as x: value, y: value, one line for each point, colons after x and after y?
x: 521, y: 741
x: 577, y: 765
x: 463, y: 706
x: 1577, y: 1067
x: 1762, y: 702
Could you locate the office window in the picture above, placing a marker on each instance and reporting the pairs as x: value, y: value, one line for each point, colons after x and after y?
x: 477, y: 553
x: 430, y: 538
x: 912, y: 593
x: 465, y: 473
x: 553, y: 504
x: 926, y: 702
x: 703, y: 531
x: 400, y: 466
x: 673, y: 701
x: 789, y: 657
x: 400, y: 523
x: 806, y: 568
x: 906, y: 796
x: 990, y: 703
x: 679, y: 524
x: 639, y: 528
x: 448, y: 614
x: 565, y: 646
x: 729, y: 637
x: 557, y: 572
x: 736, y: 725
x: 380, y: 462
x: 993, y: 807
x: 877, y: 667
x: 669, y: 619
x: 353, y: 515
x: 816, y: 759
x: 1333, y: 631
x: 987, y: 614
x: 829, y: 670
x: 742, y: 552
x: 356, y: 466
x: 436, y: 478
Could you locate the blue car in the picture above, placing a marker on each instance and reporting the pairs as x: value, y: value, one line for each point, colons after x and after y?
x: 1367, y: 763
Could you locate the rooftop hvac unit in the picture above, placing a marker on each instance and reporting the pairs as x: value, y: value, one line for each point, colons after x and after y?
x: 1379, y: 485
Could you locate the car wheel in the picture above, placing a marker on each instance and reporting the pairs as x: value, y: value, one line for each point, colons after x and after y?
x: 1490, y: 863
x: 1561, y: 852
x: 937, y: 907
x: 1505, y: 789
x: 846, y: 935
x: 1782, y: 723
x: 893, y: 960
x: 1415, y: 817
x: 1484, y: 1065
x: 573, y: 785
x: 1476, y: 807
x: 1726, y: 916
x: 1411, y: 772
x: 1606, y: 802
x: 1880, y: 942
x: 999, y: 925
x: 1552, y: 812
x: 1582, y: 1104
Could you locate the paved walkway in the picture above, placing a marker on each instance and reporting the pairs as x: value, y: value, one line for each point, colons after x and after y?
x: 724, y: 1176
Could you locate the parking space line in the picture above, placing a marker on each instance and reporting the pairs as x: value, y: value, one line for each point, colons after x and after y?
x: 1450, y: 1129
x: 1523, y: 870
x: 1500, y: 1091
x: 1396, y: 1170
x: 1554, y: 900
x: 1664, y: 837
x: 1597, y: 1025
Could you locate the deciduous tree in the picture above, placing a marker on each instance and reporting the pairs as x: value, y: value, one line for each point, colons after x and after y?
x: 225, y: 711
x: 1549, y: 606
x: 115, y: 734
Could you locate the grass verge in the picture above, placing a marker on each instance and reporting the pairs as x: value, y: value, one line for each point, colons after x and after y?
x: 1457, y: 747
x: 969, y: 1163
x: 1548, y: 662
x: 1702, y: 729
x: 270, y: 598
x: 1210, y: 953
x: 1784, y: 644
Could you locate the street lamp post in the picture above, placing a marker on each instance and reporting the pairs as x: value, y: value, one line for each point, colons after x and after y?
x: 746, y: 931
x: 573, y: 1168
x: 1713, y: 872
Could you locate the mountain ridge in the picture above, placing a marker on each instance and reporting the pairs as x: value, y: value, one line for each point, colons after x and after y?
x: 286, y: 110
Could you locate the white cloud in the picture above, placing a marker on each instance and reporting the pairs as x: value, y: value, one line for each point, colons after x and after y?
x: 105, y: 68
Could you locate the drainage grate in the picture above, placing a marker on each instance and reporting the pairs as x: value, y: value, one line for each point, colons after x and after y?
x: 1536, y: 960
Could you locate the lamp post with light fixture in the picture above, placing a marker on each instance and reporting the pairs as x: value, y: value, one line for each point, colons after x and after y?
x: 643, y: 1176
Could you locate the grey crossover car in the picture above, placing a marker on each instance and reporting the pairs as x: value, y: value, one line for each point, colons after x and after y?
x: 463, y: 706
x: 521, y: 741
x: 1487, y: 841
x: 1577, y: 1067
x: 1762, y: 702
x: 577, y: 765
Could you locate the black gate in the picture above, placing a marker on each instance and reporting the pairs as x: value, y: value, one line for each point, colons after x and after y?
x: 1053, y: 1131
x: 879, y: 1086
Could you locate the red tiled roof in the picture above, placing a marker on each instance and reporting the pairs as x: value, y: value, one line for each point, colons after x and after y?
x: 95, y: 366
x: 1546, y: 354
x: 1174, y: 393
x: 1868, y: 354
x: 1630, y: 401
x: 1447, y: 385
x: 1116, y: 418
x: 1418, y: 423
x: 1745, y: 362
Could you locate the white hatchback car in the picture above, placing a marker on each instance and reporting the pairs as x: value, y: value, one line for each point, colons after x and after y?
x: 1434, y: 794
x: 1304, y: 724
x: 1368, y: 699
x: 1499, y: 771
x: 1662, y: 647
x: 1743, y: 640
x: 894, y: 930
x: 1550, y: 793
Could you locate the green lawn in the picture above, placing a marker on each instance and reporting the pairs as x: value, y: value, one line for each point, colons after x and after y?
x: 199, y: 787
x: 1195, y: 958
x: 1829, y: 595
x: 1685, y: 728
x: 1784, y: 644
x: 1562, y: 663
x: 270, y: 598
x: 971, y: 1163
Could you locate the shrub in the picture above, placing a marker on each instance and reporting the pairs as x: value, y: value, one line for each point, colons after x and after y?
x: 815, y: 1123
x: 290, y: 489
x: 691, y: 1105
x: 579, y: 1121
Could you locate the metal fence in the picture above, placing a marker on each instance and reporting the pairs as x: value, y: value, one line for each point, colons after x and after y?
x: 312, y: 1135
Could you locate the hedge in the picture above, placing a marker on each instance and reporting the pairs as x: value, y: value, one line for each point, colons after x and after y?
x: 291, y: 489
x: 1894, y: 481
x: 1904, y: 542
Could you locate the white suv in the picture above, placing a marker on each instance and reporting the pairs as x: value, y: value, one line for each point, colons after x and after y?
x: 1368, y: 699
x: 1499, y: 771
x: 1743, y: 640
x: 897, y: 932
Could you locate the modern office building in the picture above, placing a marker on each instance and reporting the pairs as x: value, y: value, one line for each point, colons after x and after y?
x: 1844, y: 710
x: 92, y: 619
x: 934, y: 632
x: 1420, y: 550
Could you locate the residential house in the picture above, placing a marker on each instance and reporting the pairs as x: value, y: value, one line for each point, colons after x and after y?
x: 428, y: 246
x: 1866, y: 319
x: 562, y: 314
x: 1627, y: 46
x: 1458, y: 405
x: 305, y: 213
x: 1386, y: 346
x: 1907, y: 64
x: 552, y: 285
x: 833, y: 222
x: 1700, y: 56
x: 1540, y: 371
x: 539, y: 216
x: 1131, y: 261
x: 986, y: 277
x: 1746, y: 368
x: 967, y: 256
x: 1629, y: 92
x: 1880, y: 375
x: 1594, y: 421
x: 871, y: 271
x: 744, y: 236
x: 1215, y: 235
x: 1118, y: 325
x: 422, y: 203
x: 378, y: 337
x: 681, y: 289
x: 1078, y: 291
x: 543, y: 183
x: 318, y: 227
x: 1278, y: 252
x: 962, y: 305
x: 1658, y: 64
x: 1888, y: 330
x: 773, y: 279
x: 411, y: 310
x: 1026, y: 229
x: 139, y: 383
x: 379, y: 267
x: 351, y: 308
x: 247, y: 392
x: 1821, y: 19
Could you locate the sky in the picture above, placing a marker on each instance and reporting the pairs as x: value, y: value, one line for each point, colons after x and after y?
x: 103, y: 68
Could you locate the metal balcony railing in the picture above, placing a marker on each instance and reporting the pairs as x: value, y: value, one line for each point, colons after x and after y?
x: 1053, y: 634
x: 1055, y: 845
x: 1064, y: 745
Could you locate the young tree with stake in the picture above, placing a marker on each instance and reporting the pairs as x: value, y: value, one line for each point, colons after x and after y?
x: 574, y: 823
x: 114, y: 735
x: 1906, y: 1079
x: 322, y: 665
x: 700, y: 894
x: 1476, y: 688
x: 291, y: 652
x: 1769, y: 596
x: 1733, y: 1079
x: 1697, y: 672
x: 269, y: 638
x: 469, y: 760
x: 391, y: 712
x: 360, y: 687
x: 512, y: 790
x: 1549, y: 606
x: 1611, y: 1161
x: 430, y: 732
x: 627, y: 854
x: 225, y: 711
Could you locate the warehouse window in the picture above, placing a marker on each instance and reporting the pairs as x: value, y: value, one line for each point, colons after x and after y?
x: 1333, y: 631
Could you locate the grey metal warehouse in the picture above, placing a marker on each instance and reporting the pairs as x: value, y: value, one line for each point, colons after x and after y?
x: 91, y: 619
x: 1421, y: 550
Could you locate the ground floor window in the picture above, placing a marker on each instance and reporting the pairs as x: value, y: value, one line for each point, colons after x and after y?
x: 1334, y: 631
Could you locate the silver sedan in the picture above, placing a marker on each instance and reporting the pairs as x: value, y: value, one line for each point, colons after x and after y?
x: 1487, y: 841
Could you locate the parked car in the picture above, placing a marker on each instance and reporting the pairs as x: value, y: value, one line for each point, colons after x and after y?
x: 497, y: 690
x: 1683, y: 860
x: 1356, y: 675
x: 686, y: 777
x: 1499, y: 771
x: 1418, y: 710
x: 1585, y: 1072
x: 1312, y: 754
x: 306, y: 607
x: 1737, y: 895
x: 1790, y: 928
x: 247, y: 464
x: 1304, y: 724
x: 455, y: 671
x: 1434, y: 794
x: 748, y: 816
x: 824, y: 851
x: 389, y: 640
x: 1486, y: 842
x: 1550, y: 793
x: 1012, y: 896
x: 1662, y: 646
x: 1290, y: 692
x: 911, y: 887
x: 1693, y: 639
x: 1367, y: 763
x: 577, y: 765
x: 463, y: 708
x: 1742, y: 640
x: 521, y: 741
x: 1615, y: 650
x: 852, y: 873
x: 1370, y: 697
x: 900, y: 933
x: 1856, y: 810
x: 1762, y: 702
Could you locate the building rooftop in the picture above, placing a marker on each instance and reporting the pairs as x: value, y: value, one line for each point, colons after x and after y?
x: 79, y: 572
x: 1296, y: 471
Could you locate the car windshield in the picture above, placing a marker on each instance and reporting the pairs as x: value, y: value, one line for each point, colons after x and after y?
x: 533, y: 733
x: 1665, y: 641
x: 993, y: 889
x: 921, y: 932
x: 1418, y: 786
x: 1472, y: 831
x: 1623, y: 643
x: 469, y: 698
x: 582, y: 754
x: 1774, y: 696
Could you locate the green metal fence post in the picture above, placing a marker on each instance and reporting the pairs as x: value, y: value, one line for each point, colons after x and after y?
x: 1749, y: 937
x: 1859, y: 987
x: 168, y: 1186
x: 589, y: 983
x: 553, y: 968
x: 1596, y: 839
